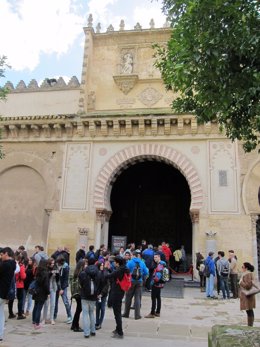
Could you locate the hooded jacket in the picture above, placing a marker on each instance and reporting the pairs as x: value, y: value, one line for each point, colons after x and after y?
x: 133, y: 263
x: 91, y: 272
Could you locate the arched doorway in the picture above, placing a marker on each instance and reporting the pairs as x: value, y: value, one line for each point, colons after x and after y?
x: 151, y: 200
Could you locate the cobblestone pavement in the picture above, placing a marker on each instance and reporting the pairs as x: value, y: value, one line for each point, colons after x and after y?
x: 183, y: 322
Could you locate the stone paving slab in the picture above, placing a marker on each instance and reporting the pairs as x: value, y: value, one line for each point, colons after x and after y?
x: 183, y: 322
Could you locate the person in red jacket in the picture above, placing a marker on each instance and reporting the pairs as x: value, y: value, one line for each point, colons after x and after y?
x: 19, y: 279
x: 167, y: 252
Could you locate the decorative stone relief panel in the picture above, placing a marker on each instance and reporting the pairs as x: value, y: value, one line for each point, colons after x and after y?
x: 223, y: 178
x: 149, y: 96
x: 76, y: 173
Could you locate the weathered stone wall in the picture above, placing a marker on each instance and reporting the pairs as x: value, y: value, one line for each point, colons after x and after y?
x: 234, y: 335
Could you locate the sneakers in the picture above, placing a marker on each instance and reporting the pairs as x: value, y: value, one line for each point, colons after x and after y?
x: 21, y: 317
x: 157, y: 314
x: 77, y: 330
x: 93, y: 334
x: 52, y: 322
x: 139, y: 317
x: 37, y: 326
x: 150, y: 315
x: 69, y: 320
x: 12, y: 315
x: 125, y: 316
x: 98, y: 327
x: 117, y: 336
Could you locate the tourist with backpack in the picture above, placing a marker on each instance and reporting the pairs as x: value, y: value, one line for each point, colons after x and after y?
x: 139, y: 272
x: 75, y: 290
x: 223, y: 268
x: 90, y: 282
x: 91, y: 254
x: 118, y: 278
x: 157, y: 284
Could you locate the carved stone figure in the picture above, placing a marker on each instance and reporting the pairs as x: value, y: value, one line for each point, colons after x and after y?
x: 127, y: 67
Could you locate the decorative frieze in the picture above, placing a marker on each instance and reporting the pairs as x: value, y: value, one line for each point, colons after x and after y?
x: 72, y: 126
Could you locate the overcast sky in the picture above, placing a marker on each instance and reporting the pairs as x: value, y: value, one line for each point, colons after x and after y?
x: 44, y: 38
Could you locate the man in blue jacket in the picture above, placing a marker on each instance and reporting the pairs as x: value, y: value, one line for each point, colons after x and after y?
x: 139, y: 272
x: 210, y: 277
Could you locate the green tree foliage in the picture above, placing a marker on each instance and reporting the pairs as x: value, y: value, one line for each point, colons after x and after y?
x: 3, y: 66
x: 212, y: 61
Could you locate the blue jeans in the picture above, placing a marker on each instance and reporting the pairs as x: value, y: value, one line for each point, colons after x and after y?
x: 210, y: 285
x: 27, y: 296
x: 37, y: 309
x: 65, y: 300
x: 88, y: 308
x: 100, y: 310
x: 50, y: 301
x: 2, y: 317
x: 224, y: 287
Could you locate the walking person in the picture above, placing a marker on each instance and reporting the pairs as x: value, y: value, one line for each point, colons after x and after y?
x: 210, y: 271
x: 75, y: 292
x: 41, y: 292
x: 157, y: 285
x: 7, y: 269
x: 247, y: 303
x: 90, y: 281
x: 117, y: 294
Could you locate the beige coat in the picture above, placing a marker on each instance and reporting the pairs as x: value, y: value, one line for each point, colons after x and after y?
x: 246, y: 302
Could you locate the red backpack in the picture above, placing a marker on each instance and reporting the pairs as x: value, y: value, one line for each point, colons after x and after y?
x: 126, y: 282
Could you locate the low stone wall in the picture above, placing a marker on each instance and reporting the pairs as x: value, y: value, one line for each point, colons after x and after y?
x: 234, y: 336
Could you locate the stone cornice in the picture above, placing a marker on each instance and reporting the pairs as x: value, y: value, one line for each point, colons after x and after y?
x: 62, y: 127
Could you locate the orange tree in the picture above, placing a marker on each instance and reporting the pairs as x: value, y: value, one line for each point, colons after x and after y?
x: 213, y: 61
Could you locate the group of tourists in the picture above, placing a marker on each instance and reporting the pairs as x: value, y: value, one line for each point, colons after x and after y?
x: 222, y: 273
x: 102, y: 279
x: 99, y: 279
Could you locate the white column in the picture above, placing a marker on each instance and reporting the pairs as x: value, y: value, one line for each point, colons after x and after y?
x: 254, y: 218
x: 195, y: 234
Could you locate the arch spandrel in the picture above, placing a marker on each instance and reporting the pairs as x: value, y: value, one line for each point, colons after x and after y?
x: 39, y: 165
x: 128, y: 156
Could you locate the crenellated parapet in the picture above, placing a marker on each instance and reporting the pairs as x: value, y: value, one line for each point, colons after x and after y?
x: 121, y: 27
x: 47, y: 85
x: 64, y: 127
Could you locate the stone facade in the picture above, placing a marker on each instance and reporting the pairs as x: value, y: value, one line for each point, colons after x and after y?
x: 65, y: 145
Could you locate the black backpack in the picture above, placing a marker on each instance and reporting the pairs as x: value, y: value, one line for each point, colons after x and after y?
x: 89, y: 285
x: 225, y: 270
x: 137, y: 272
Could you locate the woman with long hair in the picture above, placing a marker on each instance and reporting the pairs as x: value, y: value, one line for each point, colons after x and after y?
x: 54, y: 278
x: 102, y: 297
x: 247, y: 303
x: 19, y: 281
x: 30, y: 270
x: 75, y: 322
x: 41, y: 291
